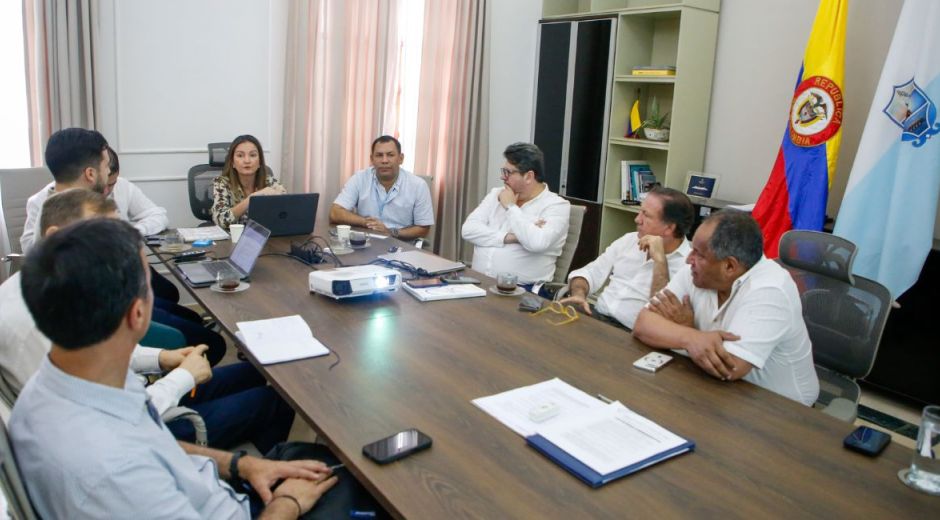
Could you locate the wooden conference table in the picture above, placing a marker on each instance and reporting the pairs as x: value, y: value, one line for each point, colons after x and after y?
x: 408, y: 364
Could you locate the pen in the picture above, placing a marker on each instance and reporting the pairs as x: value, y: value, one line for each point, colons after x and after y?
x: 336, y: 467
x: 192, y: 393
x: 605, y: 399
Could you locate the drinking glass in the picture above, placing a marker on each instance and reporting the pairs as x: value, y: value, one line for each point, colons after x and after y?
x: 924, y: 473
x: 227, y: 280
x: 506, y: 283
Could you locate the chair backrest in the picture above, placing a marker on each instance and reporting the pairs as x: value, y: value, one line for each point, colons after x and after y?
x: 563, y: 262
x: 16, y: 187
x: 18, y: 504
x: 845, y: 315
x: 199, y: 182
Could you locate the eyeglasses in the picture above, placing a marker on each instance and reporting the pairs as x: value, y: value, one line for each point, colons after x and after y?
x: 557, y: 308
x: 506, y: 172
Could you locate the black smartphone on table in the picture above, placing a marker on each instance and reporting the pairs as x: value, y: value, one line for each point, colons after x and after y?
x: 397, y: 446
x: 867, y: 440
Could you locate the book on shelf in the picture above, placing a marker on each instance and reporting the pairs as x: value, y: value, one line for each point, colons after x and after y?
x: 646, y: 181
x: 653, y: 70
x: 629, y: 180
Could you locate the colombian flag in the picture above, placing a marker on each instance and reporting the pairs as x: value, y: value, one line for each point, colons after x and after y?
x: 796, y: 193
x: 633, y: 124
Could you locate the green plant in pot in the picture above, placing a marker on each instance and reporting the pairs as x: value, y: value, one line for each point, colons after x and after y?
x: 656, y: 125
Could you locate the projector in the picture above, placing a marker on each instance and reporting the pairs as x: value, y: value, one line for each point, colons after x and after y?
x: 358, y: 280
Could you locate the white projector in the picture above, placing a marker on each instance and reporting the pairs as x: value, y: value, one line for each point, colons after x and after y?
x: 358, y: 280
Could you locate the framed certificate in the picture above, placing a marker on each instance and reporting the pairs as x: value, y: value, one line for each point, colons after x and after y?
x: 698, y: 184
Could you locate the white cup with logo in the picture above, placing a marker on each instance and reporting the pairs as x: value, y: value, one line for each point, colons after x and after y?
x: 235, y: 230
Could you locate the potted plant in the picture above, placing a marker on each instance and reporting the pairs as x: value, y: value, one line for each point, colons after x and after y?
x: 655, y: 126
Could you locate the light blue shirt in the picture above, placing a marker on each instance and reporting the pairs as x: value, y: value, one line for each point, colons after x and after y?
x: 87, y: 450
x: 408, y: 203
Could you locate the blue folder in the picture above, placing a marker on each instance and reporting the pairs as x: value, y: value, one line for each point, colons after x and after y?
x: 588, y: 475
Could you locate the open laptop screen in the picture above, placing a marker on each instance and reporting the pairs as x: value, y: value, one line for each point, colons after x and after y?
x: 249, y: 246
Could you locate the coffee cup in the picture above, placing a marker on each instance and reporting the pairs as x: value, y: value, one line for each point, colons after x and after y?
x: 357, y: 238
x: 235, y: 230
x: 506, y: 283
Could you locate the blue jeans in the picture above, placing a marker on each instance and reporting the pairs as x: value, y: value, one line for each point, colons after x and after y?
x: 237, y: 406
x: 190, y: 324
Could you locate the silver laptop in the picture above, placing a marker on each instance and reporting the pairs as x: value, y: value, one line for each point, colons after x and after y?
x: 432, y: 264
x: 240, y: 262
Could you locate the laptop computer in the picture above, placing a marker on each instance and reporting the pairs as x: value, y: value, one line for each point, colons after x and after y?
x: 292, y: 214
x: 432, y: 264
x: 241, y: 261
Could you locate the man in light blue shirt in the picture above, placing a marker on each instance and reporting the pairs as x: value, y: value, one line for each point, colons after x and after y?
x: 87, y: 439
x: 384, y: 197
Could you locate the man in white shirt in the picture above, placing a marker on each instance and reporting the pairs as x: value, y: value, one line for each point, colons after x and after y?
x: 79, y: 158
x: 384, y: 197
x: 520, y: 228
x: 639, y: 264
x: 88, y: 441
x: 737, y: 314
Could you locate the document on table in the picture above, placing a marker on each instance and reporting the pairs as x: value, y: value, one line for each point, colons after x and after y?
x: 203, y: 233
x: 512, y: 408
x: 280, y: 339
x: 612, y: 438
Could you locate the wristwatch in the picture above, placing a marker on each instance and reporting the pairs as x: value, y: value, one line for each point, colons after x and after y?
x: 394, y: 232
x: 234, y: 478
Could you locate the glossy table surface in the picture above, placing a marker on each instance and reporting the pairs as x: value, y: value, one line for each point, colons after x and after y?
x: 406, y: 364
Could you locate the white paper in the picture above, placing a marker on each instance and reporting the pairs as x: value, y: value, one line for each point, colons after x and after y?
x: 609, y: 438
x: 203, y: 233
x: 280, y: 339
x: 512, y: 408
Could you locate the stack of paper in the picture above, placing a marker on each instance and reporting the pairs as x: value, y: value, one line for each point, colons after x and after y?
x: 202, y: 233
x: 280, y: 339
x: 595, y: 441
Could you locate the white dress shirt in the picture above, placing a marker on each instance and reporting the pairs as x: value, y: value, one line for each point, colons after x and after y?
x: 87, y: 450
x: 23, y: 348
x: 764, y: 309
x: 406, y: 204
x: 533, y: 258
x: 133, y: 206
x: 631, y: 276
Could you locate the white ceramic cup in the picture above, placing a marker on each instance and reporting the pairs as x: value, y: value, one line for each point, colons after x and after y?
x: 342, y: 232
x: 236, y: 231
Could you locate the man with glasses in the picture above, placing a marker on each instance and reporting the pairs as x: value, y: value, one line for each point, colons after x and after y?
x: 384, y: 197
x: 520, y: 228
x: 638, y: 264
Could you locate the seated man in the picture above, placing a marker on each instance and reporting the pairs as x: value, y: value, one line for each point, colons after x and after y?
x: 88, y: 441
x: 520, y: 228
x: 639, y: 264
x: 80, y: 158
x: 237, y: 405
x: 737, y: 314
x: 384, y: 197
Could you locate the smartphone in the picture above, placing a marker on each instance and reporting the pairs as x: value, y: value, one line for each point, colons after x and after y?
x: 397, y: 446
x: 867, y: 440
x: 423, y: 283
x: 460, y: 279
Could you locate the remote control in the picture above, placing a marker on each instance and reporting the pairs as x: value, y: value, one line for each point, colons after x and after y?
x: 652, y: 361
x: 544, y: 412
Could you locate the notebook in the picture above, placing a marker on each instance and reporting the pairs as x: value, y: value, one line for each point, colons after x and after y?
x: 426, y: 262
x: 241, y: 261
x: 277, y: 340
x: 284, y: 215
x: 444, y: 292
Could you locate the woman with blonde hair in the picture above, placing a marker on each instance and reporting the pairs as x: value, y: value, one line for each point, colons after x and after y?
x: 243, y: 176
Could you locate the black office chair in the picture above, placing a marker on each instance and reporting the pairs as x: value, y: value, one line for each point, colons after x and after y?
x: 200, y: 180
x: 845, y: 315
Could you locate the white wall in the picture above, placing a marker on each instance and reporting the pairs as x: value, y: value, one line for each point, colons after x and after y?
x: 175, y: 75
x: 512, y: 31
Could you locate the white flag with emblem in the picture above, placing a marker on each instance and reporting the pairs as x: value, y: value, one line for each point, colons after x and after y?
x: 890, y: 203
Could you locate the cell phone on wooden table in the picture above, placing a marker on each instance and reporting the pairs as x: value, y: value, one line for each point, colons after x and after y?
x: 398, y: 446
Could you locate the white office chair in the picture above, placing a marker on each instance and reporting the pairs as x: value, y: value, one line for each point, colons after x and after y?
x: 16, y: 187
x: 563, y: 263
x: 11, y: 482
x: 428, y: 241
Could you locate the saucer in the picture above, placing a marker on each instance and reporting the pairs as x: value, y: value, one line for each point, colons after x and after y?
x: 177, y: 248
x: 243, y: 286
x: 517, y: 292
x: 339, y: 252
